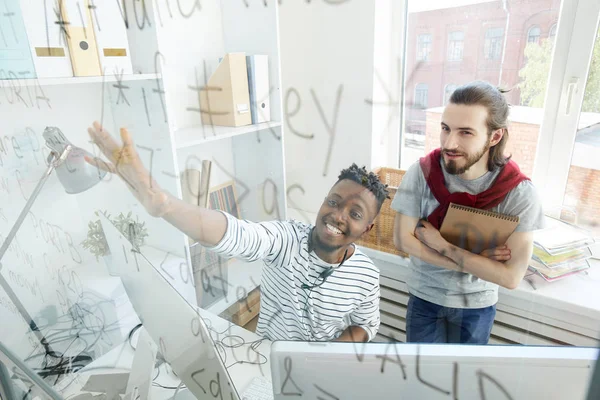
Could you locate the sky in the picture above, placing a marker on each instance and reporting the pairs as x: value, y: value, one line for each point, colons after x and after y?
x: 427, y: 5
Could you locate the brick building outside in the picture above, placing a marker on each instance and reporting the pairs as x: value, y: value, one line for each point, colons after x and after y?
x: 452, y: 46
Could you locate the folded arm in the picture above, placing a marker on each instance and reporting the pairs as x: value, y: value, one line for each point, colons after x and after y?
x: 505, y: 267
x: 405, y: 240
x: 506, y: 274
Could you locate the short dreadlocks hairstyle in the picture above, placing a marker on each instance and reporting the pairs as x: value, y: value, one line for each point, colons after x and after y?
x: 367, y: 179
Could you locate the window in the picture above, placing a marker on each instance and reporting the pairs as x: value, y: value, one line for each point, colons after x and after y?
x: 494, y: 38
x: 423, y: 47
x: 448, y: 92
x: 533, y: 35
x: 456, y: 43
x: 421, y: 91
x: 552, y: 31
x: 429, y: 89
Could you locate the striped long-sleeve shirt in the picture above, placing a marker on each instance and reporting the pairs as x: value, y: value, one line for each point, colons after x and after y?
x: 349, y: 296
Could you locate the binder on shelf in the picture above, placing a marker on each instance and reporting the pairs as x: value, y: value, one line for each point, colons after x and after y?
x: 476, y: 230
x: 46, y: 37
x: 80, y: 37
x: 195, y: 185
x: 258, y: 85
x: 111, y: 38
x: 15, y: 57
x: 226, y: 100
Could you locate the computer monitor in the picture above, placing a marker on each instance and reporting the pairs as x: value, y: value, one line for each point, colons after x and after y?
x: 412, y: 371
x: 175, y: 325
x: 18, y: 381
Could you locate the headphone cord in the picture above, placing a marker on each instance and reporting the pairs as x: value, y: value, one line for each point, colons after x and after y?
x: 323, y: 275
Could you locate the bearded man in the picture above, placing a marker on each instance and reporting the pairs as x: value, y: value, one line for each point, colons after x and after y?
x: 453, y: 292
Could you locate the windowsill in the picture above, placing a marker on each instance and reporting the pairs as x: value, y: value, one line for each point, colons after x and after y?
x: 573, y: 301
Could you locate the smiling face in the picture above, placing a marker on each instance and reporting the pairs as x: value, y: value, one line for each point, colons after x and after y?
x: 464, y: 139
x: 346, y: 214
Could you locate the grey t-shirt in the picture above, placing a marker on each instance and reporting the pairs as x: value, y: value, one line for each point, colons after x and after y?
x: 453, y: 288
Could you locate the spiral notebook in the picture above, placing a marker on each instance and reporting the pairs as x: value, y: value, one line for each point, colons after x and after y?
x: 476, y: 230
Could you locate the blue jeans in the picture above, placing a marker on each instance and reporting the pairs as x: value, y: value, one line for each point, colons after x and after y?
x: 430, y: 323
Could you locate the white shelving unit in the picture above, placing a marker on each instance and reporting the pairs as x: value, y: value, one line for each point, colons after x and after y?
x: 196, y: 136
x: 251, y: 156
x: 171, y: 55
x: 76, y: 80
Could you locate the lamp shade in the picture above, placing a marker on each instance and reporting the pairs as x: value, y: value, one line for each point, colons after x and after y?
x: 74, y: 173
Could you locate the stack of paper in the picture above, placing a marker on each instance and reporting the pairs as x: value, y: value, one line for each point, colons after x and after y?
x: 560, y: 250
x: 560, y: 237
x: 559, y: 260
x: 552, y: 274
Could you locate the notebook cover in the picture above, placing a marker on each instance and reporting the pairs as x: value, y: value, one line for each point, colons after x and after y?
x: 476, y: 230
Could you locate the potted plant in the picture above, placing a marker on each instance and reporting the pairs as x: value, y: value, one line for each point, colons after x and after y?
x: 96, y: 243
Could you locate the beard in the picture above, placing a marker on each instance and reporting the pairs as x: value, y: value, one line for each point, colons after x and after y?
x: 318, y: 243
x: 452, y: 166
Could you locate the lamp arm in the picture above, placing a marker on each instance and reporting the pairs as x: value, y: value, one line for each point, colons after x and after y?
x: 54, y: 161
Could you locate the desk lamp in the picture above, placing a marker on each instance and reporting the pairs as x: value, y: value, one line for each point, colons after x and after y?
x: 76, y: 176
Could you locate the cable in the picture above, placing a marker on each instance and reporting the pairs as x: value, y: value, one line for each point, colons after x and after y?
x: 131, y: 332
x: 219, y: 343
x: 86, y: 319
x: 83, y: 327
x: 162, y: 386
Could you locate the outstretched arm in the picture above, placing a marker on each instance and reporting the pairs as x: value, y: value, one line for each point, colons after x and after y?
x: 201, y: 224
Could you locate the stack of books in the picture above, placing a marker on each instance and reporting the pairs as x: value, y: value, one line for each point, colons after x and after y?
x: 560, y: 250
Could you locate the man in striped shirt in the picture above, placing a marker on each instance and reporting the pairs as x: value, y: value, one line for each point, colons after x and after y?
x: 316, y: 284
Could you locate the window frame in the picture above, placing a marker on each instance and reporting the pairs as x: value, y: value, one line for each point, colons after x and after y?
x: 419, y: 43
x: 573, y: 46
x: 447, y: 97
x: 451, y: 49
x: 487, y: 46
x: 539, y: 34
x: 554, y: 28
x: 419, y: 88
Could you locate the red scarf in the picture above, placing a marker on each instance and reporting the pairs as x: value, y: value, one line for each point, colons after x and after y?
x: 509, y: 178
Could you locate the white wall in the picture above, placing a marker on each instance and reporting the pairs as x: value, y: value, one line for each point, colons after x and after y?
x: 356, y: 46
x: 326, y: 55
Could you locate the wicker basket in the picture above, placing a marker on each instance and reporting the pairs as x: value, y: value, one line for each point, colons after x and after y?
x: 381, y: 237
